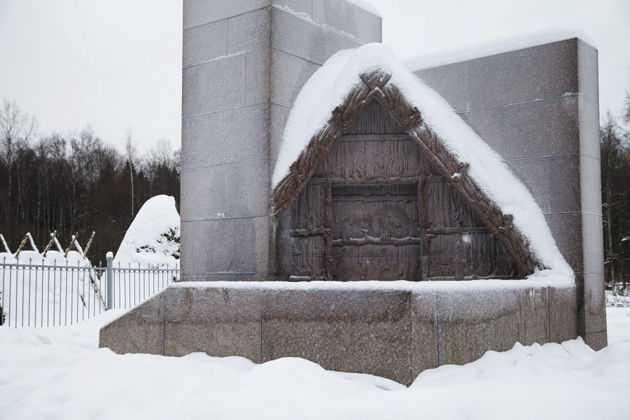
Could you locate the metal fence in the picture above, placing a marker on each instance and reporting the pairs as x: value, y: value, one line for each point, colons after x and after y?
x: 44, y: 295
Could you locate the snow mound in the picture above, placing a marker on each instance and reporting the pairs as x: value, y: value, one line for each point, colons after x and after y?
x: 153, y: 237
x: 328, y: 87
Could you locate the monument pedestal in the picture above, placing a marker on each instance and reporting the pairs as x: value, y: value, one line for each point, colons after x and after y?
x: 395, y: 330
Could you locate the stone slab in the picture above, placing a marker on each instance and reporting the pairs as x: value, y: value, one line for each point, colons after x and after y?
x: 257, y: 78
x: 472, y: 323
x: 247, y: 188
x: 249, y: 31
x: 203, y: 192
x: 451, y: 81
x: 306, y: 39
x: 487, y: 123
x: 289, y: 74
x: 204, y: 43
x: 541, y: 128
x: 138, y: 331
x: 424, y: 331
x: 534, y: 173
x: 350, y: 18
x: 224, y: 137
x: 562, y: 314
x: 596, y: 340
x: 255, y: 232
x: 214, y: 85
x: 392, y: 332
x: 221, y: 83
x: 354, y: 331
x: 541, y: 72
x: 200, y: 12
x: 220, y: 322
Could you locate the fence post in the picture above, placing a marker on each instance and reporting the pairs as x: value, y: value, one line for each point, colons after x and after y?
x: 110, y: 280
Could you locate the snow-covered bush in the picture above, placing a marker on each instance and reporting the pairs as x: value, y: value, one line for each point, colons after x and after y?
x: 153, y: 237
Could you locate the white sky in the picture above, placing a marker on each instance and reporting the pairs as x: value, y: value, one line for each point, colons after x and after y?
x: 116, y: 64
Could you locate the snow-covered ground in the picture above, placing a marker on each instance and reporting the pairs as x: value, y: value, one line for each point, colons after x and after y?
x: 61, y: 374
x: 618, y: 320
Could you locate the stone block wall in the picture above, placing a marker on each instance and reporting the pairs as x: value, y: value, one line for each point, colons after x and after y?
x: 394, y: 333
x: 244, y: 62
x: 538, y: 108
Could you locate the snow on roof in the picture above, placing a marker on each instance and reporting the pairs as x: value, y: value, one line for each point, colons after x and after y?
x: 492, y: 48
x: 365, y: 5
x: 327, y: 89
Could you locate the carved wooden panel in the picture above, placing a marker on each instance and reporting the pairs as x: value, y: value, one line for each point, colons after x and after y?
x: 361, y: 113
x: 376, y: 262
x: 446, y: 208
x: 365, y: 157
x: 309, y: 255
x: 310, y: 233
x: 377, y: 208
x: 457, y: 244
x: 375, y: 119
x: 375, y: 232
x: 464, y: 255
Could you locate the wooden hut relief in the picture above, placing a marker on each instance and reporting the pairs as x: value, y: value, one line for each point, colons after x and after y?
x: 376, y: 208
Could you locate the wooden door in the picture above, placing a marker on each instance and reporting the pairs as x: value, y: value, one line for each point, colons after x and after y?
x: 375, y: 232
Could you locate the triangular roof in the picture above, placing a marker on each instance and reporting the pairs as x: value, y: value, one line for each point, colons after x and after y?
x: 340, y: 91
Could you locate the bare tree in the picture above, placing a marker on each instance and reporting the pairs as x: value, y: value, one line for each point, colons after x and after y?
x: 162, y: 153
x: 131, y: 153
x: 16, y: 130
x: 626, y: 113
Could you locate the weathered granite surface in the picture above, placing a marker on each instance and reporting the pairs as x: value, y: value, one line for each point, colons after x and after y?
x: 395, y: 333
x: 538, y: 108
x: 244, y: 62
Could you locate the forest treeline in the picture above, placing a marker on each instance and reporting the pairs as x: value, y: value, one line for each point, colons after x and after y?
x: 615, y: 162
x: 75, y: 183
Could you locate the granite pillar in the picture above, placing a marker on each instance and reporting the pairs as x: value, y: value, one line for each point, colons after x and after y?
x: 538, y: 108
x: 244, y: 62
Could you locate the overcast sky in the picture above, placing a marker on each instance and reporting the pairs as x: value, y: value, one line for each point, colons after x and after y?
x: 116, y: 64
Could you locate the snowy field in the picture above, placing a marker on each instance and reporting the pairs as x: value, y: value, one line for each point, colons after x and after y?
x: 61, y: 374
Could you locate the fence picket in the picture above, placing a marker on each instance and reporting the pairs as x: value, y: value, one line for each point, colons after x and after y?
x: 28, y: 301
